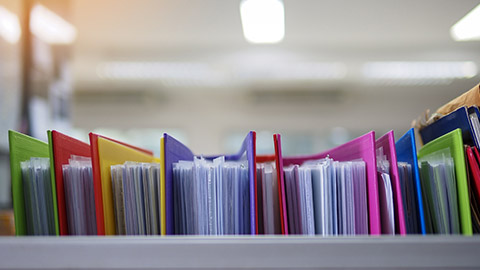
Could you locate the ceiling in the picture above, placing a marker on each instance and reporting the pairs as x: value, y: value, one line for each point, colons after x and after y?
x: 209, y: 31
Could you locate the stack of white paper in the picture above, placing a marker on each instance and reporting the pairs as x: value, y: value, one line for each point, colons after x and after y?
x: 385, y: 193
x: 79, y: 196
x: 136, y: 198
x: 211, y: 197
x: 326, y: 197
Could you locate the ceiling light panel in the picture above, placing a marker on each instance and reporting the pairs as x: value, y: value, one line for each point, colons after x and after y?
x: 263, y: 21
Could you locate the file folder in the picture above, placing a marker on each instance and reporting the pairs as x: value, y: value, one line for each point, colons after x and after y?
x: 363, y: 148
x: 249, y: 149
x: 473, y: 164
x: 474, y: 186
x: 172, y: 152
x: 163, y: 218
x: 387, y: 142
x: 265, y: 158
x: 456, y: 119
x: 407, y: 152
x: 453, y: 141
x: 474, y: 115
x: 111, y: 153
x: 97, y: 180
x: 24, y: 147
x: 62, y: 148
x: 281, y: 183
x: 258, y: 193
x: 175, y: 151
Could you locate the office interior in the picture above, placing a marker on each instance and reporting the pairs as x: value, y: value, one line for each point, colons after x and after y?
x: 133, y: 70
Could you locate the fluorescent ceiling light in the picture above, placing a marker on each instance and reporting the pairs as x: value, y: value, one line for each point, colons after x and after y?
x: 49, y: 27
x: 295, y: 71
x: 9, y: 26
x: 468, y: 27
x: 169, y: 73
x: 203, y: 74
x: 263, y: 21
x: 419, y: 70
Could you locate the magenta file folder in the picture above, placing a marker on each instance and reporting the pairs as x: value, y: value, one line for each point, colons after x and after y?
x: 387, y: 142
x: 363, y: 148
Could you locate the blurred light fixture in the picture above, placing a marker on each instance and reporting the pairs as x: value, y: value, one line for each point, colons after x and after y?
x: 9, y: 26
x: 468, y: 27
x: 413, y: 72
x: 295, y: 71
x: 169, y: 73
x: 49, y: 27
x: 263, y: 21
x: 204, y: 74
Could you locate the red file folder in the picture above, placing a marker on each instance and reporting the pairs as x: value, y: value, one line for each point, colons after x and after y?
x: 63, y: 148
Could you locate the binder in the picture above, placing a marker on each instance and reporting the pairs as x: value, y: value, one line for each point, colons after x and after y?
x: 453, y: 141
x: 363, y: 148
x: 387, y: 142
x: 23, y: 147
x: 407, y: 152
x: 456, y: 119
x: 62, y: 147
x: 174, y: 151
x: 97, y: 180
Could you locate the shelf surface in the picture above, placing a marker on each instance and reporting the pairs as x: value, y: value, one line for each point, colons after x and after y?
x: 268, y: 252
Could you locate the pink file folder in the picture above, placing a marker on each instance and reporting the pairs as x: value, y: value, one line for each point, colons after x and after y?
x: 363, y: 148
x: 387, y: 141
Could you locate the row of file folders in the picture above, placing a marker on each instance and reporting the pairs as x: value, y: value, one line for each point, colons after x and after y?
x: 365, y: 186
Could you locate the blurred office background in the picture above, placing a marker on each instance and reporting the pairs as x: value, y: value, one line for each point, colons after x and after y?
x: 133, y: 69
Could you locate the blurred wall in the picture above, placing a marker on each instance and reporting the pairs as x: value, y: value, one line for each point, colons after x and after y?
x: 208, y: 117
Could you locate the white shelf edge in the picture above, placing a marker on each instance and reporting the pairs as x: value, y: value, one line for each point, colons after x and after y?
x: 264, y: 252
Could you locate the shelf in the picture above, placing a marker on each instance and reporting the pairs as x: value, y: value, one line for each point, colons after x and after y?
x: 412, y: 252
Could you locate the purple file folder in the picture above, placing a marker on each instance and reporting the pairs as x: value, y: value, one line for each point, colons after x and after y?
x: 176, y: 151
x: 363, y: 148
x: 248, y: 152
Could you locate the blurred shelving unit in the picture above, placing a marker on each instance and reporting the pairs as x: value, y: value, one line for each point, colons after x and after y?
x: 263, y: 252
